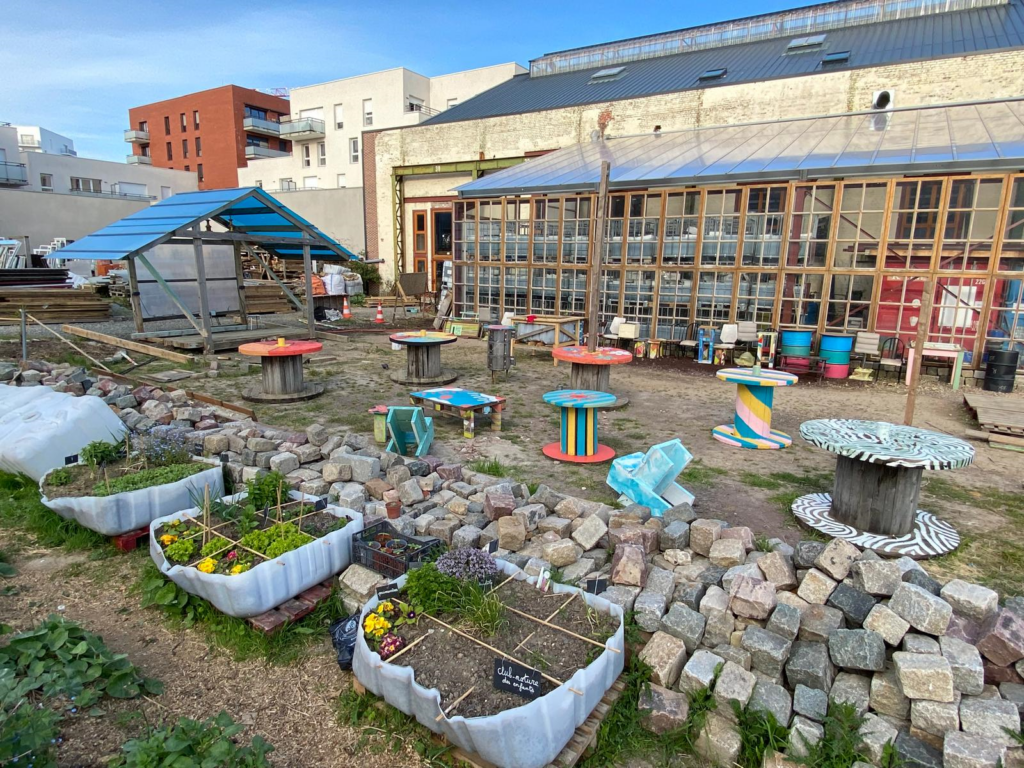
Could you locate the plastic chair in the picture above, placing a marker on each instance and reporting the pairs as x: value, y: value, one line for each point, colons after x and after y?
x: 410, y: 433
x: 727, y: 339
x: 892, y: 357
x: 649, y: 478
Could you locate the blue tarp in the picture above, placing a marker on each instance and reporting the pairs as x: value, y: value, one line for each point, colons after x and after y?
x: 236, y: 209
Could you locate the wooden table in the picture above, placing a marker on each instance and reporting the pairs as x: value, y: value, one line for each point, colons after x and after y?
x: 463, y: 403
x: 877, y: 484
x: 752, y: 425
x: 590, y: 370
x: 952, y: 352
x: 423, y: 358
x: 578, y: 442
x: 281, y: 363
x: 565, y: 331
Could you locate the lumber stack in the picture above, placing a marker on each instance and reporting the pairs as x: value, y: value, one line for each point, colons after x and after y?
x: 53, y: 305
x: 33, y: 278
x: 267, y: 298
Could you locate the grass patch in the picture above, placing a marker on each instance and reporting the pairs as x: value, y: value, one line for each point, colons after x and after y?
x: 492, y: 467
x: 840, y: 746
x: 1010, y: 504
x: 385, y: 729
x: 698, y: 473
x: 20, y: 507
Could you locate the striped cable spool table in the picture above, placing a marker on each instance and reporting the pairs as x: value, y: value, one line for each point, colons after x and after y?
x: 752, y: 426
x: 578, y: 441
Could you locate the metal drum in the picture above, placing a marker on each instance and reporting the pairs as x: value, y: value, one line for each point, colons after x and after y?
x: 499, y: 348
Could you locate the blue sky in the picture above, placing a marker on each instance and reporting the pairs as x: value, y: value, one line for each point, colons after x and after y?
x: 76, y: 66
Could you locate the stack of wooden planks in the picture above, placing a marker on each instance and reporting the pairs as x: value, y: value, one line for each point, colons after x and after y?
x: 52, y: 305
x: 33, y: 278
x: 266, y: 298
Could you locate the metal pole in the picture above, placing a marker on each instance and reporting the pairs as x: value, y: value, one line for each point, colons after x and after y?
x: 924, y: 320
x: 594, y: 289
x: 307, y: 265
x: 24, y: 336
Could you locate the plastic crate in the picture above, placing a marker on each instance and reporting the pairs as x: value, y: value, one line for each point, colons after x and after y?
x: 390, y: 564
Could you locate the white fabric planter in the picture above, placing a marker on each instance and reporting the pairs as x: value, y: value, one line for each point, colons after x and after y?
x: 41, y: 429
x: 530, y: 736
x: 131, y: 510
x: 270, y: 583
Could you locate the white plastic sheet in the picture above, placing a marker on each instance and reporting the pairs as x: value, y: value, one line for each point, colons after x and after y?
x: 530, y: 736
x: 131, y: 510
x: 41, y: 429
x: 271, y: 583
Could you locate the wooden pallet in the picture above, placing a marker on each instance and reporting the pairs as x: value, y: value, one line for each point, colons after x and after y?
x: 126, y: 542
x: 295, y: 609
x: 51, y: 305
x: 997, y: 413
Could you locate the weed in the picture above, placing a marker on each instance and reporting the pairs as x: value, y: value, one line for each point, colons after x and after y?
x: 763, y: 544
x: 840, y: 746
x: 760, y: 734
x: 59, y: 477
x: 539, y: 661
x: 699, y: 473
x: 755, y: 480
x: 481, y: 609
x: 492, y: 467
x: 20, y: 507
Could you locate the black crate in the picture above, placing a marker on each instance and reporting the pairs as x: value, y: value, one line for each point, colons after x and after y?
x: 385, y: 563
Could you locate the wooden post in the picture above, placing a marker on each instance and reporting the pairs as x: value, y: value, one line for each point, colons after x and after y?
x: 204, y: 300
x: 924, y: 319
x: 594, y: 288
x: 133, y: 294
x: 243, y: 313
x: 307, y: 265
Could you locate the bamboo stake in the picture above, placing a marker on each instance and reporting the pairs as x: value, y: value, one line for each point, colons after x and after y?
x: 506, y: 581
x: 69, y: 343
x: 503, y: 654
x: 454, y: 704
x: 560, y: 629
x: 206, y: 512
x: 409, y: 647
x: 549, y: 618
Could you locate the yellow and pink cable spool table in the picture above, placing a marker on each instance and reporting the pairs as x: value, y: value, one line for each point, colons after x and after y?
x: 752, y: 425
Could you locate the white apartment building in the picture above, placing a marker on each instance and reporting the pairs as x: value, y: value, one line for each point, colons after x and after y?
x: 34, y: 138
x: 327, y: 121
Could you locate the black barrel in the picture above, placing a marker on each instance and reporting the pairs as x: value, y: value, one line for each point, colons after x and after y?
x: 1000, y: 371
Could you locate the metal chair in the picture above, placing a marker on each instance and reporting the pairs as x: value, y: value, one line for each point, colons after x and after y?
x: 727, y: 339
x: 892, y: 357
x: 866, y: 347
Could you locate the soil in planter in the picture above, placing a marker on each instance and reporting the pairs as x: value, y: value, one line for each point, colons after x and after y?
x: 84, y: 478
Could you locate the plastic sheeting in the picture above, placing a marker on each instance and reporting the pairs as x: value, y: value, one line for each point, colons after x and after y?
x: 131, y: 510
x: 41, y: 429
x: 530, y: 736
x: 270, y: 583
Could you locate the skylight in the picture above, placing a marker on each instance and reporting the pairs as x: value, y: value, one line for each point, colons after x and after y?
x: 809, y: 41
x: 604, y: 75
x: 835, y: 57
x: 713, y: 74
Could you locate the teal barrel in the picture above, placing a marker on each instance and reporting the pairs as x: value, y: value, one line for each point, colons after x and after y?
x: 796, y: 343
x: 835, y: 348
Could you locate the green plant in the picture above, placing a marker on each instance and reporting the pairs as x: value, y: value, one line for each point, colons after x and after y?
x: 760, y: 734
x: 147, y: 478
x: 1017, y: 736
x: 275, y: 540
x: 214, y: 546
x: 431, y: 589
x: 180, y: 551
x: 492, y: 467
x: 100, y: 452
x: 27, y: 733
x: 189, y: 743
x: 359, y: 300
x: 368, y: 272
x: 763, y: 544
x: 162, y: 449
x: 840, y: 746
x: 891, y: 757
x: 59, y: 477
x: 482, y: 609
x: 267, y: 490
x: 20, y: 507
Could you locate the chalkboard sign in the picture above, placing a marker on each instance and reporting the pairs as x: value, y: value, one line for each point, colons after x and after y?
x: 387, y: 591
x: 595, y: 586
x: 517, y: 679
x: 72, y: 459
x: 492, y: 547
x: 319, y: 505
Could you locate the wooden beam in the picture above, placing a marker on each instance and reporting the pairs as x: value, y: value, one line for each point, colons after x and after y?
x: 307, y: 264
x: 240, y: 283
x: 596, y: 254
x: 924, y: 319
x: 170, y: 292
x: 204, y: 299
x: 136, y: 299
x: 287, y: 291
x: 244, y: 237
x: 134, y: 346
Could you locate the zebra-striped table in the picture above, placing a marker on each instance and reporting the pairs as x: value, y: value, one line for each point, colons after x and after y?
x: 578, y: 441
x: 752, y: 427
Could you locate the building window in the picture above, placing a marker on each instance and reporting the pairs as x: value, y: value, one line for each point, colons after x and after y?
x: 321, y: 154
x: 184, y: 123
x: 464, y: 279
x: 184, y: 148
x: 762, y: 230
x: 287, y: 185
x: 576, y: 230
x: 94, y: 186
x: 849, y: 302
x: 353, y: 150
x: 199, y: 147
x: 188, y: 168
x: 165, y: 192
x: 144, y: 126
x: 46, y: 182
x: 256, y: 141
x: 859, y: 232
x: 342, y: 181
x: 309, y: 182
x: 306, y: 162
x: 199, y: 171
x: 451, y: 102
x: 572, y: 296
x: 642, y: 232
x: 1006, y: 316
x: 756, y: 297
x: 543, y: 290
x: 282, y: 145
x: 973, y: 210
x: 367, y: 112
x: 515, y: 290
x: 464, y: 232
x: 546, y: 224
x: 195, y: 119
x: 801, y: 301
x: 490, y: 231
x: 259, y: 183
x: 167, y: 125
x: 638, y: 298
x: 913, y: 224
x: 611, y: 283
x: 144, y: 149
x: 682, y: 223
x: 721, y: 228
x: 413, y: 104
x: 170, y: 151
x: 489, y: 296
x: 517, y: 230
x: 1011, y: 257
x: 339, y: 117
x: 674, y: 294
x: 714, y: 296
x: 255, y: 112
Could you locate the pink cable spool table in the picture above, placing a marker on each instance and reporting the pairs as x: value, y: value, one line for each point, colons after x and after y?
x: 592, y: 370
x: 281, y: 361
x: 752, y: 426
x: 423, y: 358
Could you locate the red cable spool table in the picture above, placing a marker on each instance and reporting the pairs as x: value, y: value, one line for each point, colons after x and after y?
x: 591, y: 370
x: 281, y: 361
x: 423, y: 358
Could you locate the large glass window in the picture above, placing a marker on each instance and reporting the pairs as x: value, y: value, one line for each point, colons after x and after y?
x: 762, y: 231
x: 543, y: 288
x: 575, y: 230
x: 973, y: 211
x: 849, y: 302
x: 573, y: 295
x: 957, y: 310
x: 1011, y: 259
x: 721, y: 227
x: 489, y: 293
x: 1005, y: 326
x: 545, y: 230
x: 611, y: 282
x: 801, y: 301
x: 515, y: 291
x: 517, y: 230
x: 899, y: 306
x: 644, y: 221
x: 614, y: 228
x: 464, y: 232
x: 913, y: 224
x: 756, y: 297
x: 811, y: 226
x: 674, y: 293
x: 638, y: 300
x: 465, y: 288
x: 682, y: 222
x: 490, y: 230
x: 859, y: 233
x: 714, y: 296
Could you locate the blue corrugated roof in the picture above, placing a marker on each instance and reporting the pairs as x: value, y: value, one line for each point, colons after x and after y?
x: 246, y: 210
x: 870, y: 45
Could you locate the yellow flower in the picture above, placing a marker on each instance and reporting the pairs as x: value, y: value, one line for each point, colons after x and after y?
x: 240, y: 568
x: 385, y: 607
x: 175, y: 522
x: 208, y: 565
x: 168, y: 539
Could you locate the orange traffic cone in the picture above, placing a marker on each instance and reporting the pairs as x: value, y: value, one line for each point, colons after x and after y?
x: 380, y: 314
x: 346, y: 313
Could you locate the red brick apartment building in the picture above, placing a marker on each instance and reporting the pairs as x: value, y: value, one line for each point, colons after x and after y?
x: 211, y: 133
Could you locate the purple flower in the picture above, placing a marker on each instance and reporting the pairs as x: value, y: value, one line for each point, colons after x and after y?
x: 468, y: 564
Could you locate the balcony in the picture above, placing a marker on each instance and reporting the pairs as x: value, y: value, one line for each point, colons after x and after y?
x: 28, y: 142
x: 302, y: 129
x: 139, y: 160
x: 13, y: 174
x: 261, y: 127
x: 258, y: 153
x: 136, y: 137
x: 113, y: 193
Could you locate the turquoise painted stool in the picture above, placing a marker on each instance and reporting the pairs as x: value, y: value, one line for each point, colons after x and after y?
x: 410, y: 433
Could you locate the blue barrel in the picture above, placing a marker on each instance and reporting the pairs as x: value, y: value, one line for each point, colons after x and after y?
x: 796, y: 343
x: 836, y: 348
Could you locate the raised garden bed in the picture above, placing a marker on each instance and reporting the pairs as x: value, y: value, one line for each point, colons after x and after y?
x: 443, y: 670
x: 247, y: 560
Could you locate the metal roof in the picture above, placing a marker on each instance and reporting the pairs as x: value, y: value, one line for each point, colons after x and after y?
x: 247, y: 210
x: 889, y: 42
x: 980, y: 136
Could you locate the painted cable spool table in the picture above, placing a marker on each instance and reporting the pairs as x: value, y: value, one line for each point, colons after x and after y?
x: 578, y: 442
x: 591, y: 371
x: 423, y: 358
x: 281, y: 363
x: 874, y: 499
x: 752, y: 425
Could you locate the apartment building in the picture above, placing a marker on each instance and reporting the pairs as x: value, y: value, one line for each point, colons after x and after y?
x: 211, y: 133
x: 34, y: 138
